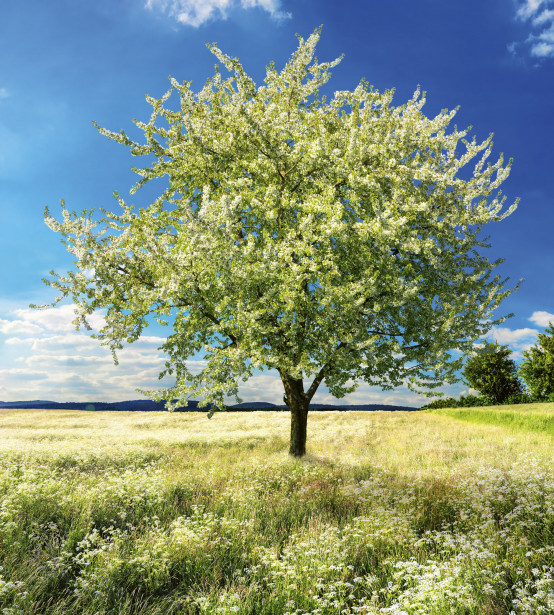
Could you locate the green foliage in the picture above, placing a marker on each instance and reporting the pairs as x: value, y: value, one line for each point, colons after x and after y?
x: 493, y: 373
x: 446, y: 402
x: 470, y: 401
x: 520, y: 398
x: 476, y: 401
x: 537, y: 367
x: 467, y: 401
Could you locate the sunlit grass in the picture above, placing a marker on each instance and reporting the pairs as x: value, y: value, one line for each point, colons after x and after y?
x: 154, y: 513
x: 528, y: 417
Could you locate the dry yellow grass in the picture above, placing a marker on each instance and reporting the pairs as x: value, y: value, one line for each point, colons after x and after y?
x: 405, y: 442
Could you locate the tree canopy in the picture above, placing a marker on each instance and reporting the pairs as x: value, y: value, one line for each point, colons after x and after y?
x: 334, y: 240
x: 537, y: 367
x: 493, y: 373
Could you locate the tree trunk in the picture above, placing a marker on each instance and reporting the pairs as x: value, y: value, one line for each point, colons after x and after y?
x: 298, y: 430
x: 298, y: 403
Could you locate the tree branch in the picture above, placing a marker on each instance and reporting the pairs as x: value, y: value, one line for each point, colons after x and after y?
x: 131, y: 274
x: 317, y: 381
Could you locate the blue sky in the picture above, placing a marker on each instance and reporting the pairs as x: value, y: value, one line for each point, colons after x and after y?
x: 65, y: 64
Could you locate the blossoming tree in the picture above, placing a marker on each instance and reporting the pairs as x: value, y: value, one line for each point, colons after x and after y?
x: 330, y: 240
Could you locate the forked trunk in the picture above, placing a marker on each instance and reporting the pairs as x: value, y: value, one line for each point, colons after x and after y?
x: 298, y: 403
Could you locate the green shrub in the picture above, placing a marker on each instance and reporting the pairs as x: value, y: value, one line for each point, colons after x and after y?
x: 519, y: 398
x: 448, y: 402
x: 470, y: 401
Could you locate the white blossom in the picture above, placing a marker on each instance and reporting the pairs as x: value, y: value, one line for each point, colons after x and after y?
x: 334, y: 241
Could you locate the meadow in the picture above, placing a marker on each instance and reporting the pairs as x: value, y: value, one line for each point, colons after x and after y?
x: 432, y: 512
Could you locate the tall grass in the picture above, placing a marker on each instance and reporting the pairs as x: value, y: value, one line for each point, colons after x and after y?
x: 529, y: 417
x: 157, y: 513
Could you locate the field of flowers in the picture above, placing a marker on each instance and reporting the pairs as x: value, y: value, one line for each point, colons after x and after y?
x: 158, y: 513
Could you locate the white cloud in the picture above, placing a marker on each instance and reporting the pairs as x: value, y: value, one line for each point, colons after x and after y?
x: 543, y: 50
x: 4, y: 93
x: 57, y: 318
x: 540, y: 17
x: 195, y: 367
x: 11, y: 327
x: 519, y: 340
x: 53, y: 361
x: 546, y: 16
x: 45, y: 358
x: 262, y: 387
x: 48, y: 361
x: 197, y: 12
x: 14, y: 373
x: 542, y: 318
x: 515, y: 338
x: 66, y: 342
x: 271, y: 6
x: 528, y: 8
x: 366, y: 394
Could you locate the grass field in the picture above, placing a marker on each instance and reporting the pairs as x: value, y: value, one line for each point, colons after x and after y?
x: 157, y: 513
x: 529, y: 417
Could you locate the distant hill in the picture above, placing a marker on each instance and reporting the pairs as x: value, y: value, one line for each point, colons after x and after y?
x: 147, y: 405
x: 24, y: 404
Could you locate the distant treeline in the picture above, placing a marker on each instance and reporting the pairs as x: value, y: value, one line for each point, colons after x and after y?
x: 147, y: 405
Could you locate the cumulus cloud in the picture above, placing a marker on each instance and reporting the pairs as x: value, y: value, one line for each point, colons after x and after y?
x: 512, y: 337
x: 542, y: 318
x: 519, y: 340
x: 197, y: 12
x: 539, y: 16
